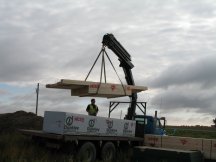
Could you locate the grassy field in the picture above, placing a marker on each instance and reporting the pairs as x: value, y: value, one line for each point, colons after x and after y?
x: 195, y: 132
x: 15, y: 147
x: 18, y: 148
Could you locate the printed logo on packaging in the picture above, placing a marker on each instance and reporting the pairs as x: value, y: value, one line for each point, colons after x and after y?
x: 113, y: 87
x: 69, y: 125
x: 110, y: 129
x: 91, y: 122
x: 126, y: 125
x: 91, y: 128
x: 69, y: 120
x: 126, y: 130
x: 109, y: 123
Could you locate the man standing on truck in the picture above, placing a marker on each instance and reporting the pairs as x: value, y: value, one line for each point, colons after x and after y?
x: 92, y: 109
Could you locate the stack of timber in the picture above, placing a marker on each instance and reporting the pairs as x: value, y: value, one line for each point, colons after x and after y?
x: 78, y: 124
x: 206, y: 146
x: 96, y: 89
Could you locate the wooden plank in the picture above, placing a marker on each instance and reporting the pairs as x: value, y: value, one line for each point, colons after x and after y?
x: 186, y: 143
x: 153, y: 140
x: 213, y: 150
x: 207, y: 148
x: 96, y: 89
x: 68, y: 84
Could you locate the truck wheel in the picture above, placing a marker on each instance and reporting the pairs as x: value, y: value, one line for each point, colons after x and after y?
x: 87, y: 153
x: 108, y: 152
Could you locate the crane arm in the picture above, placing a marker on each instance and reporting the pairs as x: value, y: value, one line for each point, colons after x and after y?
x: 125, y: 62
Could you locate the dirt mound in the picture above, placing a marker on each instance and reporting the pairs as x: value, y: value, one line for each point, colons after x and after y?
x: 10, y: 122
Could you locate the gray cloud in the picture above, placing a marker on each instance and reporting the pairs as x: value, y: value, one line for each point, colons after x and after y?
x: 198, y: 72
x: 172, y: 40
x: 186, y: 97
x: 52, y: 35
x: 187, y: 86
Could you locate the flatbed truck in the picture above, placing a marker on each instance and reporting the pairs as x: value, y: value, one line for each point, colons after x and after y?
x: 87, y: 147
x: 90, y: 146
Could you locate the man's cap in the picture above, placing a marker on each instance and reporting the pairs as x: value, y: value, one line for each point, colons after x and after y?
x: 92, y: 99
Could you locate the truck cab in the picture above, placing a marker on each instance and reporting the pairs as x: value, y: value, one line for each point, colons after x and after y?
x: 145, y: 124
x: 149, y: 125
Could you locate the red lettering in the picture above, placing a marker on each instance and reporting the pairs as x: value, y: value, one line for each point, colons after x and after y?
x: 154, y: 139
x: 128, y: 88
x: 113, y: 87
x: 94, y: 85
x: 183, y: 141
x: 80, y: 119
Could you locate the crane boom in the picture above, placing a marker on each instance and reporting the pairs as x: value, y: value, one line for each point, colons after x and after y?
x: 125, y: 62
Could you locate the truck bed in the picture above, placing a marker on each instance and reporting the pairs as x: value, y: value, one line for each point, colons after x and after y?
x: 72, y: 137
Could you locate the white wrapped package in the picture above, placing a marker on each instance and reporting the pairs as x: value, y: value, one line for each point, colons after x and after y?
x: 70, y: 123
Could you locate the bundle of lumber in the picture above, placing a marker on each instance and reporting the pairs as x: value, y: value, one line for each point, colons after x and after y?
x: 96, y: 89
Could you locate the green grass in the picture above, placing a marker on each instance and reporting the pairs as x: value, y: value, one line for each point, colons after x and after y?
x: 15, y: 147
x: 195, y: 132
x: 18, y: 148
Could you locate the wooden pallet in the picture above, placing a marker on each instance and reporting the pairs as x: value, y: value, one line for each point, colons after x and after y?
x: 96, y: 89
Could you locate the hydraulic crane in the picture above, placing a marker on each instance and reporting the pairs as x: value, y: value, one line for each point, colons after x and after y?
x: 125, y: 62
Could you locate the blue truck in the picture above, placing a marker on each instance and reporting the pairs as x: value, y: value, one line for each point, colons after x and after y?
x: 89, y: 147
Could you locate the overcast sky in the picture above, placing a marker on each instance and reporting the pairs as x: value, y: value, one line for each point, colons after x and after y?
x: 172, y: 44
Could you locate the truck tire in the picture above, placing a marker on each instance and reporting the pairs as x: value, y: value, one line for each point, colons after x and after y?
x: 87, y: 153
x: 108, y: 152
